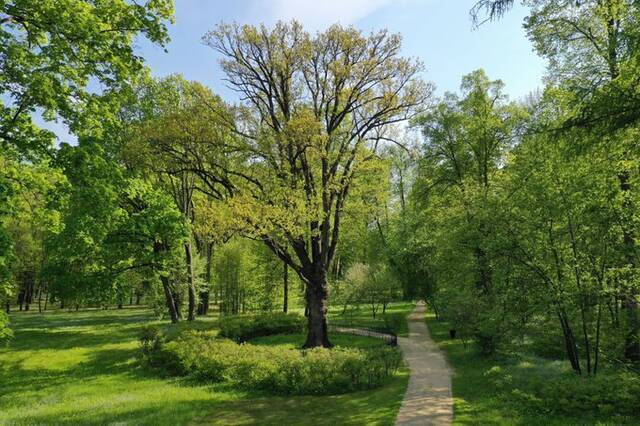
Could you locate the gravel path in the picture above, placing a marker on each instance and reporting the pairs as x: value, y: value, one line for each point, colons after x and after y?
x: 428, y: 399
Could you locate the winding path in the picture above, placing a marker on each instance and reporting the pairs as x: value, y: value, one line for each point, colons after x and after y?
x: 428, y: 399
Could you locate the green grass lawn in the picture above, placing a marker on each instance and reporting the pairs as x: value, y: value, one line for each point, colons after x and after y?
x: 361, y: 315
x: 479, y: 400
x: 81, y: 368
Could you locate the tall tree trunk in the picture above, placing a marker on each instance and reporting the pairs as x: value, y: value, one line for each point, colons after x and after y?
x: 316, y: 294
x: 596, y: 350
x: 21, y: 298
x: 570, y: 341
x: 177, y: 297
x: 583, y: 293
x: 203, y: 306
x: 285, y: 279
x: 190, y: 281
x: 41, y: 291
x: 29, y: 283
x: 171, y: 302
x: 630, y: 299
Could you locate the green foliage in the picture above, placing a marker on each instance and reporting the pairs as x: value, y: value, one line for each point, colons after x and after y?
x: 359, y: 316
x: 5, y: 331
x: 375, y: 286
x: 151, y: 340
x: 518, y: 388
x: 245, y: 327
x: 317, y: 371
x: 114, y: 224
x: 455, y: 197
x: 567, y: 395
x: 51, y: 51
x: 614, y: 392
x: 395, y: 322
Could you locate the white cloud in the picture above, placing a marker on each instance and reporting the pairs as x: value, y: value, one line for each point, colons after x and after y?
x: 316, y: 14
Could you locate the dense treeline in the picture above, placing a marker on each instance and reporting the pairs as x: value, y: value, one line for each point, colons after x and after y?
x: 524, y: 215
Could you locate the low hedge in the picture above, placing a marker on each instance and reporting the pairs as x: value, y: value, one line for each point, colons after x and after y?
x: 246, y: 327
x: 278, y: 370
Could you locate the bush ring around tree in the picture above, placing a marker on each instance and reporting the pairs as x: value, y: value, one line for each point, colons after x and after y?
x: 203, y: 355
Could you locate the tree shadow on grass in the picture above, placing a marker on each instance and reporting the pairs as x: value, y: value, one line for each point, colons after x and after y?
x: 115, y: 389
x: 93, y: 318
x: 155, y: 413
x: 373, y: 407
x: 16, y: 379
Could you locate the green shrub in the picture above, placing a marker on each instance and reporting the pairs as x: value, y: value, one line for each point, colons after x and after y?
x: 279, y: 370
x: 619, y: 392
x: 245, y: 327
x: 568, y: 394
x: 5, y: 331
x: 395, y: 322
x: 150, y: 343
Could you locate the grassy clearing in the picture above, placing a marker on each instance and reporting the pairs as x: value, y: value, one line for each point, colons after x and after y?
x: 361, y: 316
x: 480, y: 399
x: 81, y: 368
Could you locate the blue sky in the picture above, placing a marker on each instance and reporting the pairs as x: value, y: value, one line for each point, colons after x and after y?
x: 438, y: 32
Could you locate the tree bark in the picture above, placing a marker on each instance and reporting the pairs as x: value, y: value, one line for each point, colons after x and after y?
x: 203, y: 306
x: 171, y: 303
x: 316, y: 295
x: 570, y: 341
x: 192, y: 287
x: 21, y: 299
x: 285, y: 278
x: 41, y: 290
x: 630, y: 301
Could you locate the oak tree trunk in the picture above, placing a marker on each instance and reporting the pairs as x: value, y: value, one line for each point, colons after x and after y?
x: 316, y: 296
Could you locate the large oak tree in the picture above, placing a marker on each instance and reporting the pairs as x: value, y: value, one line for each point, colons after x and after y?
x: 313, y: 109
